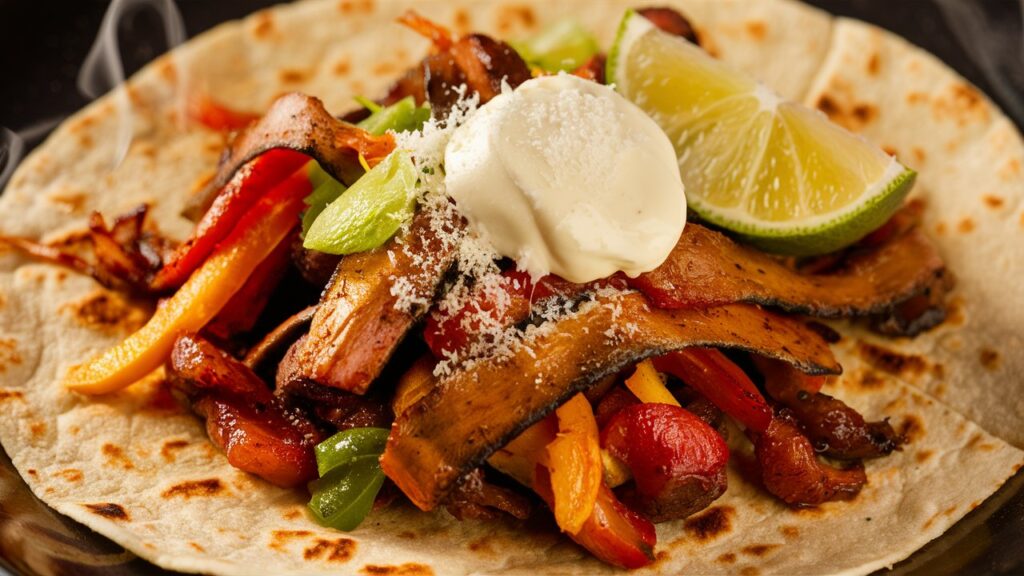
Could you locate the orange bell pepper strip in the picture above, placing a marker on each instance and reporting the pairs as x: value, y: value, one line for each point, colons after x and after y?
x: 647, y: 385
x: 233, y: 202
x: 205, y: 293
x: 574, y: 461
x: 521, y: 457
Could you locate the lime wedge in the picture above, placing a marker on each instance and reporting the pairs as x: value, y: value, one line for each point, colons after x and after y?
x: 773, y: 171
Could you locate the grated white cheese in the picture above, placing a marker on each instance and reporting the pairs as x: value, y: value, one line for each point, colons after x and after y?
x: 478, y: 277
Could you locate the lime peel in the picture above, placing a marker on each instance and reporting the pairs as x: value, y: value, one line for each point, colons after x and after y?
x: 776, y: 173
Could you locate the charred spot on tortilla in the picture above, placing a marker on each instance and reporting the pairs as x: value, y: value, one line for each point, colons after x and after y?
x: 37, y: 429
x: 109, y: 511
x: 868, y: 379
x: 342, y: 67
x: 923, y: 456
x: 70, y: 201
x: 72, y: 475
x: 337, y: 550
x: 711, y: 523
x: 989, y: 358
x: 758, y: 550
x: 351, y: 6
x: 891, y: 361
x: 194, y: 489
x: 281, y: 539
x: 408, y: 569
x: 978, y: 442
x: 961, y: 103
x: 9, y: 356
x: 757, y: 29
x: 263, y: 24
x: 1010, y: 170
x: 294, y: 75
x: 293, y: 514
x: 108, y: 312
x: 874, y: 63
x: 115, y: 455
x: 170, y: 449
x: 911, y: 428
x: 386, y: 69
x: 918, y: 154
x: 727, y: 558
x: 6, y: 394
x: 853, y: 117
x: 992, y: 201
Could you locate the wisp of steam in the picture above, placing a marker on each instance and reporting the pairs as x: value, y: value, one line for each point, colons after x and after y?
x: 996, y: 45
x: 12, y: 147
x: 102, y: 71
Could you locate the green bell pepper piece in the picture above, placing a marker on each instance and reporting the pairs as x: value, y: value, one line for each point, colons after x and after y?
x: 368, y: 213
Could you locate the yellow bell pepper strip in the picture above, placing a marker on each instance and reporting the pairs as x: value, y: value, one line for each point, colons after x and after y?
x: 647, y: 385
x: 255, y: 237
x: 520, y: 457
x: 574, y: 460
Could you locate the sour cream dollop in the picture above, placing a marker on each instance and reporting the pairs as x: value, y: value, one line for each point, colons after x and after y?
x: 567, y: 177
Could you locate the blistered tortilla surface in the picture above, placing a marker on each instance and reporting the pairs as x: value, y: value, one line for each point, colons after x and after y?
x: 138, y: 468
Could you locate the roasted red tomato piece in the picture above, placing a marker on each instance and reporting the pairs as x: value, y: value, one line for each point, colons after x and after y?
x: 677, y: 460
x: 256, y: 431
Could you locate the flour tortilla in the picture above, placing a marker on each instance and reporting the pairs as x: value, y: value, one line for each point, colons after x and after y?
x: 141, y: 471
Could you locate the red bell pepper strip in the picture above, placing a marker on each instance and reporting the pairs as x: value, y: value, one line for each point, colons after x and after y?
x: 723, y: 383
x: 248, y: 185
x: 613, y: 533
x: 205, y: 293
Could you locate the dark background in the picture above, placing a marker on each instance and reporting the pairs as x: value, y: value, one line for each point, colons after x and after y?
x: 43, y: 43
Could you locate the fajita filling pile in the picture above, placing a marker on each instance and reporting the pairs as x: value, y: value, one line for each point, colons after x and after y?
x: 533, y: 279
